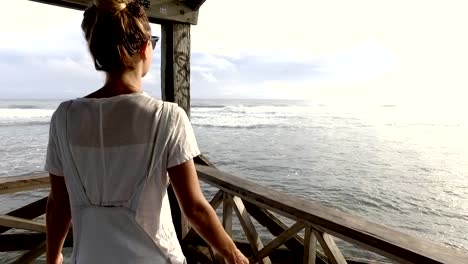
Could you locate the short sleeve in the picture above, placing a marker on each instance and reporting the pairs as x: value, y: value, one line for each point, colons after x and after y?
x: 182, y: 145
x: 53, y: 162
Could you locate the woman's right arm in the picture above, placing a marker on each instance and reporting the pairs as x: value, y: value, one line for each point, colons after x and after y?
x: 199, y: 212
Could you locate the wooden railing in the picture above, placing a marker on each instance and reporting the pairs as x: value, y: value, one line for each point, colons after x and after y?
x: 310, y: 226
x: 321, y: 224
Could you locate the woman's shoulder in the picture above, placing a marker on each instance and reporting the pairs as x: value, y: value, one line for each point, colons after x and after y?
x: 61, y: 108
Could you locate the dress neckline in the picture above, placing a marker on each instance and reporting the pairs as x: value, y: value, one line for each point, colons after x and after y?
x: 112, y: 98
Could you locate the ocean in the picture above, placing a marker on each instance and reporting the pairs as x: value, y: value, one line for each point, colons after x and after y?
x: 396, y: 165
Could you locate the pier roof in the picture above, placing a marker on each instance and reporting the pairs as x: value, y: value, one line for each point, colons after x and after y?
x: 158, y: 11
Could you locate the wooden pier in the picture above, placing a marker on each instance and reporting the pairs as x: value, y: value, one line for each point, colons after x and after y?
x: 253, y: 205
x: 300, y: 231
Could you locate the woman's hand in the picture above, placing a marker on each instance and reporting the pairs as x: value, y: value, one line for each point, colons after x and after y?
x: 58, y: 260
x: 238, y: 258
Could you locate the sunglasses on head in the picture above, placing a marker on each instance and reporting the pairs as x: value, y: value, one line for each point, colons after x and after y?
x: 154, y: 40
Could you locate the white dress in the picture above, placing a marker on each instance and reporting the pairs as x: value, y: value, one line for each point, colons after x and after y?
x: 114, y: 154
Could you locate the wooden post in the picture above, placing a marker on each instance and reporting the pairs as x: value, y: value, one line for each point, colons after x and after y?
x: 175, y: 64
x: 175, y: 87
x: 310, y: 246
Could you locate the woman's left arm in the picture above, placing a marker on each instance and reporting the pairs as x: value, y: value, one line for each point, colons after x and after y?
x: 58, y: 218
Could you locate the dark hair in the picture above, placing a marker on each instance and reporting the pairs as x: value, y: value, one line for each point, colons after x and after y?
x: 115, y: 30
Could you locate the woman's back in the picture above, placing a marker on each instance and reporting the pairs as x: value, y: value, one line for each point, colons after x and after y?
x: 111, y: 140
x: 118, y: 150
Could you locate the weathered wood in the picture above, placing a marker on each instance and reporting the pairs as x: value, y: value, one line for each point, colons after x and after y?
x: 374, y: 237
x: 175, y: 87
x: 217, y: 199
x: 212, y: 255
x: 329, y: 246
x: 279, y: 240
x: 32, y: 255
x: 26, y: 241
x: 202, y: 160
x: 161, y: 11
x: 249, y: 229
x: 310, y: 246
x: 227, y: 213
x: 227, y: 222
x: 175, y: 64
x: 195, y: 4
x: 295, y: 244
x: 20, y: 241
x: 20, y: 223
x: 24, y: 183
x: 275, y: 226
x: 280, y: 255
x: 29, y: 211
x: 195, y: 254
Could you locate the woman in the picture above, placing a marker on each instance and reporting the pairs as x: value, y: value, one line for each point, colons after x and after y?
x: 111, y: 155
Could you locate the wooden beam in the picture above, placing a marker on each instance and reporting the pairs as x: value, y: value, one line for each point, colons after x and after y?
x: 24, y: 183
x: 26, y: 241
x: 227, y: 213
x: 279, y: 240
x: 331, y: 249
x: 29, y: 211
x: 275, y: 226
x: 310, y: 246
x: 195, y: 4
x: 295, y: 244
x: 20, y: 223
x: 32, y: 255
x: 175, y: 87
x: 161, y: 11
x: 202, y: 160
x: 175, y: 64
x: 217, y: 199
x: 280, y: 255
x: 20, y: 241
x: 227, y: 222
x: 249, y: 230
x: 213, y: 257
x: 359, y: 231
x: 195, y: 254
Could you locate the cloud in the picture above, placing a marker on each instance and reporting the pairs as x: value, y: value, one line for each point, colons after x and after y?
x: 209, y: 77
x: 46, y: 76
x: 213, y: 76
x: 365, y: 50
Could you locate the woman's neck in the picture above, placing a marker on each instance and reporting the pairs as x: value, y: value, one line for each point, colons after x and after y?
x: 118, y: 84
x: 123, y: 83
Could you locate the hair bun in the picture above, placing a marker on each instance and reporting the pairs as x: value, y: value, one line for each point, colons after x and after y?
x: 113, y: 6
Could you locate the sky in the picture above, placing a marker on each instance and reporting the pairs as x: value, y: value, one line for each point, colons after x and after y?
x: 379, y: 51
